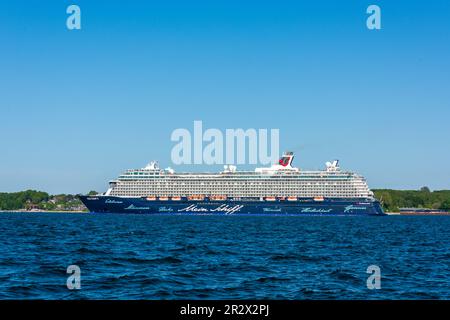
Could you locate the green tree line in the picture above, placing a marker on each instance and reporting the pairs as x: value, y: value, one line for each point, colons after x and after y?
x: 32, y: 199
x: 19, y: 200
x: 392, y: 200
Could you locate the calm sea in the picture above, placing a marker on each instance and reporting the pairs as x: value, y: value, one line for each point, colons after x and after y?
x: 223, y: 257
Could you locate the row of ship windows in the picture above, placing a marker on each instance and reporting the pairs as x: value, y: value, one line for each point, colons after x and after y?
x: 188, y: 187
x: 245, y: 184
x: 149, y: 192
x: 231, y: 189
x: 235, y: 190
x: 237, y: 179
x: 241, y: 187
x: 251, y: 174
x: 301, y: 195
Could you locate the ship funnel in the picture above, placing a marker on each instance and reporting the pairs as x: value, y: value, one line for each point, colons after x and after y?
x: 286, y: 159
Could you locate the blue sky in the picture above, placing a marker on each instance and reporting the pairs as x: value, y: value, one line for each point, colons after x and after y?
x: 78, y: 107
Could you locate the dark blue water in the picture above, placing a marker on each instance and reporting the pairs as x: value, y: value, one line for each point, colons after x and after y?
x: 223, y: 257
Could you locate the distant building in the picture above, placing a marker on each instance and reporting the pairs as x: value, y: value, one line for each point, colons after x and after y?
x: 31, y: 206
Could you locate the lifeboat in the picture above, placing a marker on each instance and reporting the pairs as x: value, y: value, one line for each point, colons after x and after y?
x: 270, y: 198
x: 218, y: 198
x: 319, y: 198
x: 163, y: 198
x: 151, y: 198
x: 176, y: 198
x: 292, y: 198
x: 196, y: 197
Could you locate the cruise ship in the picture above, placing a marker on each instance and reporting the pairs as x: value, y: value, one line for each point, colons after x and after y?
x: 280, y: 189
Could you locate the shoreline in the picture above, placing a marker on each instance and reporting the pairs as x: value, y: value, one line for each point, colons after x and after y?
x: 417, y: 214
